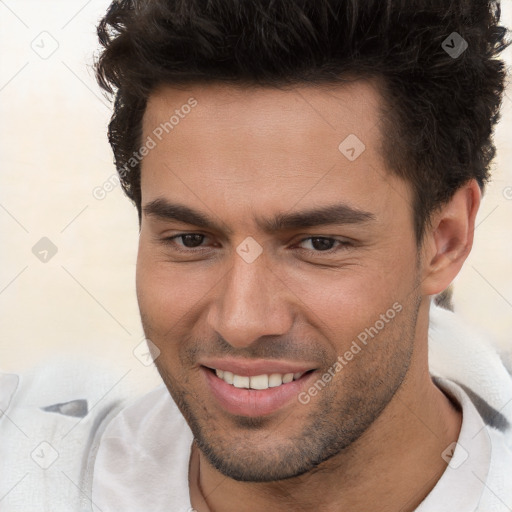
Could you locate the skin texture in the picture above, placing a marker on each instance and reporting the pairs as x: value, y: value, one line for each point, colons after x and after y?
x: 373, y: 437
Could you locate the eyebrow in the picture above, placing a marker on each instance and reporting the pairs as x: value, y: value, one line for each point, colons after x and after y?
x: 336, y: 214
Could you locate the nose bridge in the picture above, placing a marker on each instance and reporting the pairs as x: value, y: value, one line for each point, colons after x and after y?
x: 250, y: 304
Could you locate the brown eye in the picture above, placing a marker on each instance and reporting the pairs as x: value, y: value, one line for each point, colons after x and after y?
x: 189, y: 241
x: 322, y: 244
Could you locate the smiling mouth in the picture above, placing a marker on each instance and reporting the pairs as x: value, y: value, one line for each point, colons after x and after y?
x: 257, y: 382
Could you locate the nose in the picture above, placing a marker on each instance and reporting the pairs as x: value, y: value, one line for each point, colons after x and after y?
x: 251, y: 302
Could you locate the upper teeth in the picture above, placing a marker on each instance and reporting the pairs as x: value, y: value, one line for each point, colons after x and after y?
x: 258, y: 381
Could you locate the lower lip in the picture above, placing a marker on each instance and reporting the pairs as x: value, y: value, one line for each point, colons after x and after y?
x: 252, y: 402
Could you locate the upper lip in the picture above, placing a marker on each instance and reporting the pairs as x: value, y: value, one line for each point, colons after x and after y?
x: 253, y: 367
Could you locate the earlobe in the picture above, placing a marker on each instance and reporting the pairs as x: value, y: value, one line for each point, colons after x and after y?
x: 449, y: 240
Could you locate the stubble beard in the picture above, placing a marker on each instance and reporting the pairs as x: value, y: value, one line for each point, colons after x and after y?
x: 255, y: 450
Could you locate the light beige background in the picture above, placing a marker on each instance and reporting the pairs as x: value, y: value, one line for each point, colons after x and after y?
x: 54, y: 153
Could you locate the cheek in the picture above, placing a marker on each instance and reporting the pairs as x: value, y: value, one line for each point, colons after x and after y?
x: 168, y: 292
x: 354, y: 296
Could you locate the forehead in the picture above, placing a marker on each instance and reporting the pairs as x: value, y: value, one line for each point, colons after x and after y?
x: 250, y: 149
x: 352, y: 107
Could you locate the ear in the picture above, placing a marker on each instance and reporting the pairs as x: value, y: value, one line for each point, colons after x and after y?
x: 449, y: 239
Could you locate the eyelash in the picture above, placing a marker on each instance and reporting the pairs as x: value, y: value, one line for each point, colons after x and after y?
x: 343, y: 244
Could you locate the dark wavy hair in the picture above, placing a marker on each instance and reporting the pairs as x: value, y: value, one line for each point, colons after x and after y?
x: 440, y: 109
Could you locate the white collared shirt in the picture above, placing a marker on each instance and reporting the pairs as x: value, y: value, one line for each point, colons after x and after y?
x: 144, y: 455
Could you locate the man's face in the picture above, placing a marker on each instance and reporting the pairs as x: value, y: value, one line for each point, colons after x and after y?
x: 255, y: 297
